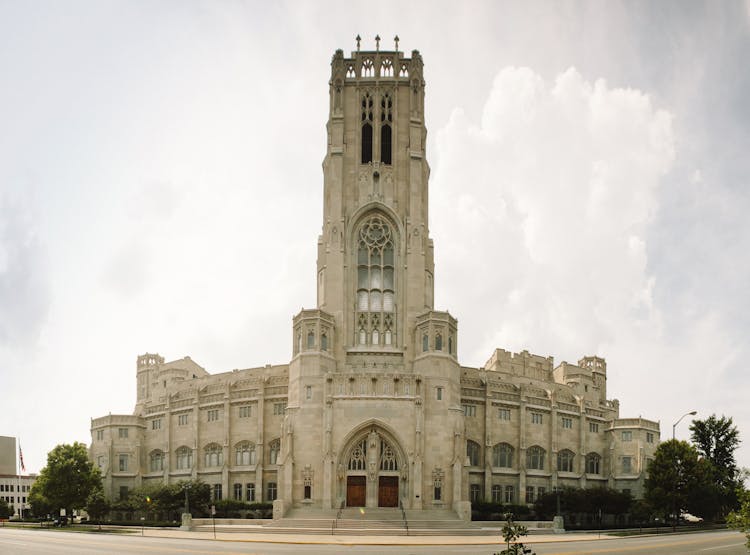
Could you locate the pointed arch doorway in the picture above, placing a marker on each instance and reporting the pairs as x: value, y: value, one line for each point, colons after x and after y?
x: 373, y: 470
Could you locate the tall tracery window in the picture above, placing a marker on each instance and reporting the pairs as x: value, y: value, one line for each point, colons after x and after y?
x: 502, y: 455
x: 274, y: 449
x: 244, y: 454
x: 386, y: 120
x: 366, y: 128
x: 535, y: 458
x: 157, y: 461
x: 375, y: 282
x: 214, y: 455
x: 358, y: 458
x: 184, y: 458
x: 565, y: 460
x: 388, y: 459
x: 473, y: 452
x: 593, y: 463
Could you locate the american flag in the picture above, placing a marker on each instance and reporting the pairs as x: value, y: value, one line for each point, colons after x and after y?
x: 20, y: 458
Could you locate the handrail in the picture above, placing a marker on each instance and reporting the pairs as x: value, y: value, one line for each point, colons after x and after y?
x: 334, y: 524
x: 403, y: 515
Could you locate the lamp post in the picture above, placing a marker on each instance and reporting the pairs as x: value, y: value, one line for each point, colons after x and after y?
x: 674, y: 426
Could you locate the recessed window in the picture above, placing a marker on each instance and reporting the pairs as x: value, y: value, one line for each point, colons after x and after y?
x: 274, y: 448
x: 182, y: 419
x: 627, y: 465
x: 123, y: 463
x: 627, y: 436
x: 122, y: 433
x: 156, y: 424
x: 439, y: 393
x: 238, y: 492
x: 250, y: 492
x: 593, y: 427
x: 593, y: 463
x: 214, y: 455
x: 510, y: 494
x: 184, y: 458
x: 156, y: 462
x: 565, y: 461
x: 246, y: 411
x: 649, y: 437
x: 212, y: 415
x: 100, y: 435
x: 271, y: 491
x: 567, y: 423
x: 308, y: 392
x: 470, y: 410
x: 279, y: 408
x: 502, y: 455
x: 473, y: 452
x: 216, y: 492
x: 503, y: 414
x: 244, y: 454
x: 536, y: 418
x: 438, y: 342
x: 535, y: 458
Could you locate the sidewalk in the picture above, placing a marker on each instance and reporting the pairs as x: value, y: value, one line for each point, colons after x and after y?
x: 259, y: 537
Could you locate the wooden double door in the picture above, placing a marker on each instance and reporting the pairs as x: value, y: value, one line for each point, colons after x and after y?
x: 356, y: 491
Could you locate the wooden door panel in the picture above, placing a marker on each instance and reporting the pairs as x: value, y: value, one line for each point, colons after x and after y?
x: 356, y: 491
x: 388, y: 491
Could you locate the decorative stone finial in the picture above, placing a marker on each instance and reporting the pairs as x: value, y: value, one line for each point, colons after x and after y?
x: 377, y: 42
x: 395, y: 39
x: 358, y: 39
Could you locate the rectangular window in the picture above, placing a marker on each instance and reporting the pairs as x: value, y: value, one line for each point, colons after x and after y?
x: 540, y: 491
x: 536, y: 418
x: 216, y: 491
x: 123, y: 492
x: 250, y: 492
x: 503, y: 414
x: 567, y: 423
x: 246, y: 411
x: 529, y: 494
x: 308, y: 392
x: 238, y: 492
x: 182, y: 420
x: 509, y: 495
x: 439, y: 393
x: 123, y: 463
x: 627, y: 465
x: 470, y: 410
x: 156, y: 424
x: 594, y: 427
x: 213, y: 415
x: 279, y: 408
x: 437, y: 493
x: 649, y: 437
x: 122, y: 433
x: 308, y: 492
x: 627, y: 436
x: 271, y: 491
x: 99, y: 435
x: 100, y: 461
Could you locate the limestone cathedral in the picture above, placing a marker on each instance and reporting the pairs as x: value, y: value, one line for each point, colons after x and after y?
x: 374, y: 408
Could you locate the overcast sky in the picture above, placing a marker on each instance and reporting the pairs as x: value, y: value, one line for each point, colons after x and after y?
x: 161, y: 191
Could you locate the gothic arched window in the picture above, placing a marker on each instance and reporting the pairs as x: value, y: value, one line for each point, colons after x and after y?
x: 156, y: 461
x: 376, y: 243
x: 473, y: 452
x: 388, y: 459
x: 565, y: 460
x: 366, y: 128
x: 358, y: 458
x: 502, y: 455
x: 386, y: 118
x: 535, y: 458
x: 184, y: 458
x: 274, y: 449
x: 214, y: 455
x: 593, y: 463
x: 244, y: 454
x: 438, y: 342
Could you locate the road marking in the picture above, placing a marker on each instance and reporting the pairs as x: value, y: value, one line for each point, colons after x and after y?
x: 624, y: 548
x: 722, y: 546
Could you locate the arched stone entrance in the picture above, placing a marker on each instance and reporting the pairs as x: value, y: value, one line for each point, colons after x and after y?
x: 373, y: 470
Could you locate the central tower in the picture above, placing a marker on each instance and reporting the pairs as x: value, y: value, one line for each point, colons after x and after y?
x: 375, y: 257
x: 374, y: 378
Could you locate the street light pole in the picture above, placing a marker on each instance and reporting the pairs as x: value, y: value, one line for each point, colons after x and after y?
x: 674, y: 426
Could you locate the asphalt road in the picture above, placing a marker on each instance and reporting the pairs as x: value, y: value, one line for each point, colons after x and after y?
x: 49, y: 542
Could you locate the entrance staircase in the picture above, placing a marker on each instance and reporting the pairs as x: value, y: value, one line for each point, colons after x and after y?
x: 356, y: 521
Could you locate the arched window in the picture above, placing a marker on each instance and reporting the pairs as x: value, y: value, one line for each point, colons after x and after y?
x: 535, y: 458
x: 438, y: 342
x: 375, y: 280
x: 244, y: 454
x: 388, y: 459
x: 324, y: 342
x: 184, y: 458
x: 310, y: 339
x: 366, y: 128
x: 425, y: 343
x: 358, y: 458
x: 214, y: 455
x: 274, y: 449
x: 473, y: 452
x: 565, y: 460
x: 450, y: 344
x: 502, y: 455
x: 386, y: 119
x: 593, y: 463
x: 156, y: 461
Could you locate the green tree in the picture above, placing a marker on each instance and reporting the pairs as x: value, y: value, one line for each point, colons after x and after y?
x: 40, y: 505
x: 97, y: 506
x: 5, y: 510
x: 678, y: 480
x: 67, y: 480
x: 511, y: 534
x: 740, y: 518
x: 717, y: 439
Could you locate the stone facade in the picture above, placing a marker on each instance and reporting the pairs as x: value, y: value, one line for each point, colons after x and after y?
x: 374, y: 408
